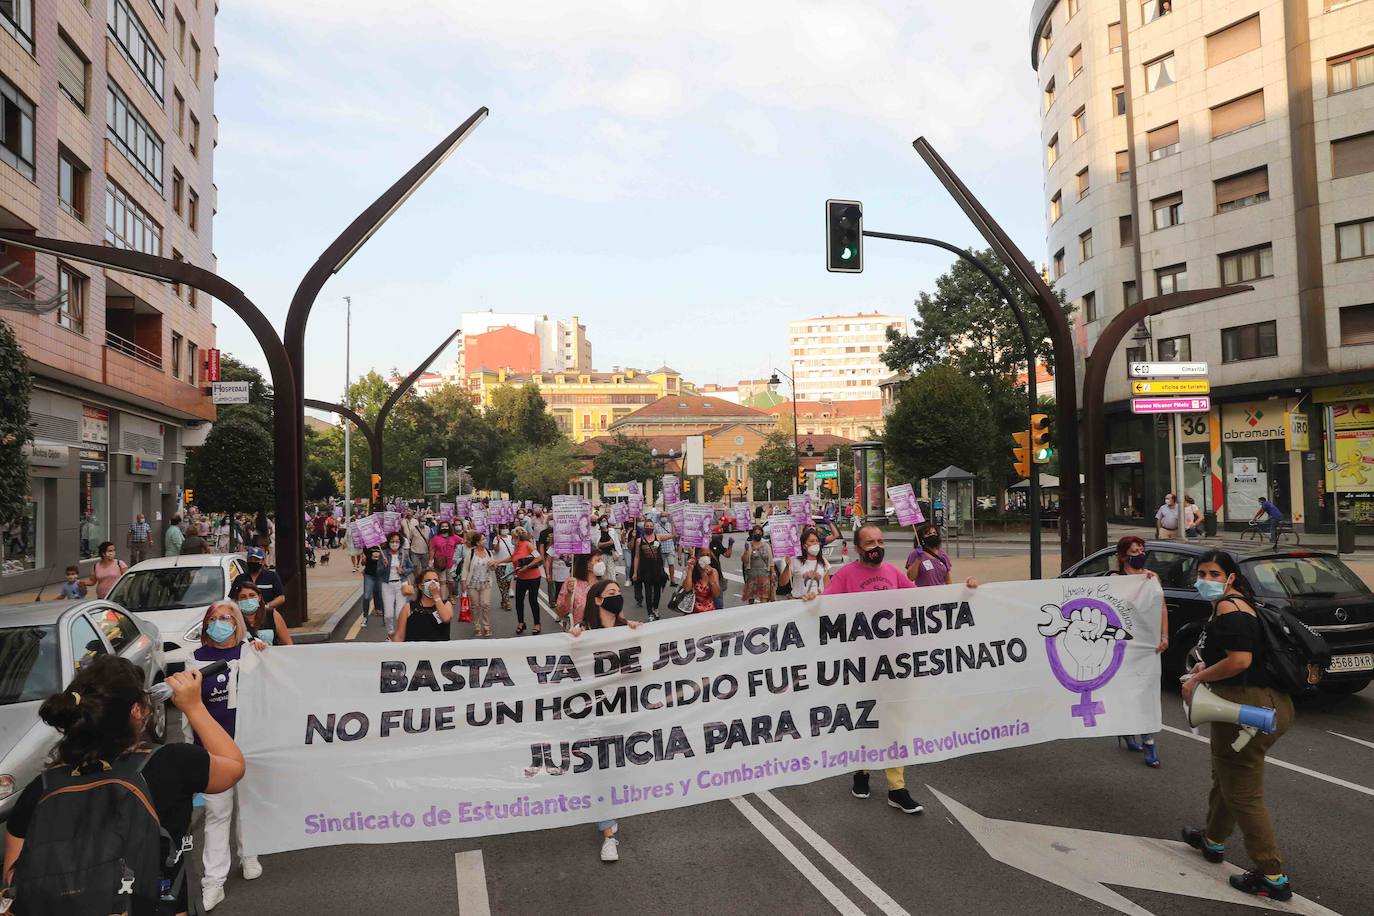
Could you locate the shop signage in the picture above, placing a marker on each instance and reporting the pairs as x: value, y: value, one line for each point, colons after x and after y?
x: 230, y: 392
x: 436, y: 476
x: 1116, y: 458
x: 1166, y: 370
x: 1172, y: 386
x: 1353, y: 415
x: 43, y: 455
x: 1170, y: 405
x: 211, y: 366
x: 95, y: 425
x: 142, y: 464
x: 1352, y: 392
x: 1296, y: 434
x: 1245, y: 469
x: 1253, y: 422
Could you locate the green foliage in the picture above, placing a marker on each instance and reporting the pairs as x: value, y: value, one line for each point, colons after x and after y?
x: 521, y: 417
x: 232, y: 471
x: 715, y: 482
x: 541, y: 472
x: 17, y: 384
x: 259, y: 407
x: 776, y: 461
x: 941, y: 417
x: 624, y: 458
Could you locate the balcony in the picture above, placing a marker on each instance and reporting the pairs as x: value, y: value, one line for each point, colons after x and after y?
x: 133, y: 350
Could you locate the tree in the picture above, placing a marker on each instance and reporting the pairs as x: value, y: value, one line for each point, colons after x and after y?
x: 17, y: 384
x: 941, y: 417
x: 776, y: 461
x: 624, y: 458
x: 521, y: 416
x: 259, y: 406
x: 320, y: 480
x: 541, y: 472
x: 714, y: 478
x: 232, y: 471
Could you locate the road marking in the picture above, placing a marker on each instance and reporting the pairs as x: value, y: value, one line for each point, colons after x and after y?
x: 354, y: 630
x: 1085, y: 861
x: 794, y: 855
x: 1334, y: 780
x: 832, y: 855
x: 1356, y: 740
x: 472, y: 884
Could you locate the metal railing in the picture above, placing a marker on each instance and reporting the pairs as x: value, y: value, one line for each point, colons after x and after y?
x: 133, y: 350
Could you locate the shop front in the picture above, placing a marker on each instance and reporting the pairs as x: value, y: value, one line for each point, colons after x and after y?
x: 1261, y: 459
x: 1348, y: 450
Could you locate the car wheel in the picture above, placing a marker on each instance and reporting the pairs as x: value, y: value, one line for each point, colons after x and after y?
x: 1345, y: 687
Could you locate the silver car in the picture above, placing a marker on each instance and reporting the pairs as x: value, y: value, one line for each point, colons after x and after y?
x: 42, y: 646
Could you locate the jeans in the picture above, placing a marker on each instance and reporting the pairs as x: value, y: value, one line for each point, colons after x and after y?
x: 220, y: 809
x: 138, y: 550
x: 392, y: 600
x: 1272, y: 526
x: 372, y: 593
x: 527, y: 588
x: 603, y: 826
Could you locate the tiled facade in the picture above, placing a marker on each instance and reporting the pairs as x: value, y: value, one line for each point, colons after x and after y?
x: 839, y: 357
x: 126, y: 369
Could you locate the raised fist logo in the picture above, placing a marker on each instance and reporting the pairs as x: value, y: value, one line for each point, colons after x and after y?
x: 1085, y: 642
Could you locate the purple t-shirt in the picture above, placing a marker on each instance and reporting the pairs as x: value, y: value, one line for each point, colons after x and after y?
x: 220, y: 691
x: 935, y: 566
x: 856, y: 577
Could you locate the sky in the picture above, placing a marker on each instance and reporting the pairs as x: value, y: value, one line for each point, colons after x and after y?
x: 657, y: 168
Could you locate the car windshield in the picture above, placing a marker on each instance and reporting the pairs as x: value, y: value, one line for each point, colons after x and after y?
x: 165, y: 589
x: 1303, y: 577
x: 29, y: 664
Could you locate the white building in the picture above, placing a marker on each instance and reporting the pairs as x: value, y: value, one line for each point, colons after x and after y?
x: 563, y: 344
x: 839, y: 357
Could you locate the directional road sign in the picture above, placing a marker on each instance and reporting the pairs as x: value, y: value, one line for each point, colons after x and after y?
x: 1166, y: 370
x: 1171, y: 405
x: 230, y: 392
x: 1172, y: 386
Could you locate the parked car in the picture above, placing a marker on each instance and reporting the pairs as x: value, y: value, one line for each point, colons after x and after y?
x: 173, y: 593
x: 1316, y: 586
x: 42, y: 647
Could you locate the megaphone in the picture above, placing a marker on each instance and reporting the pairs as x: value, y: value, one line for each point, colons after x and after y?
x: 161, y: 692
x: 1208, y: 707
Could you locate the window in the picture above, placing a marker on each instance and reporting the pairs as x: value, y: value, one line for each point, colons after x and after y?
x: 1046, y: 39
x: 86, y: 643
x: 1114, y: 37
x: 1159, y: 73
x: 1162, y: 141
x: 1085, y: 246
x: 1090, y: 306
x: 16, y: 16
x: 119, y: 630
x: 71, y: 286
x: 16, y: 128
x: 1056, y: 207
x: 1119, y: 100
x: 1242, y: 190
x: 1059, y: 264
x: 1249, y: 341
x: 127, y: 225
x: 1243, y: 266
x: 190, y: 362
x: 1129, y: 294
x: 133, y: 135
x: 195, y: 62
x: 1167, y: 211
x: 192, y: 210
x: 1350, y: 72
x: 71, y: 184
x: 176, y: 287
x: 179, y: 33
x: 73, y: 71
x: 1172, y: 279
x: 1052, y: 150
x: 1233, y: 41
x: 1073, y: 8
x: 176, y: 355
x: 1075, y: 62
x: 1049, y: 94
x: 1151, y: 10
x: 1082, y: 179
x: 1126, y: 229
x: 1175, y: 349
x: 179, y: 107
x: 136, y: 46
x: 1137, y: 354
x: 1123, y: 165
x: 1080, y: 122
x: 1357, y: 325
x: 194, y: 142
x: 1238, y: 114
x: 1355, y: 240
x: 1352, y: 155
x: 178, y: 191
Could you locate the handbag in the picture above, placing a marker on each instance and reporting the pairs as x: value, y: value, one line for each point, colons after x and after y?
x: 683, y: 601
x: 464, y: 610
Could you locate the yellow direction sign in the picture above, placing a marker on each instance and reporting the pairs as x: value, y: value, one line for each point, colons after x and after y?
x: 1171, y: 386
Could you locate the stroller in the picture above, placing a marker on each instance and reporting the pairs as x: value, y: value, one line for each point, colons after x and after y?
x: 309, y: 555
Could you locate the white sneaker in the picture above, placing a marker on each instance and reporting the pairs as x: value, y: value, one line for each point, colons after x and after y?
x: 252, y: 868
x: 610, y: 851
x: 211, y: 897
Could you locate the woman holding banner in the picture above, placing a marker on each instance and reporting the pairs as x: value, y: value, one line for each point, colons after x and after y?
x: 428, y: 616
x: 1130, y: 561
x: 758, y: 567
x: 703, y: 582
x: 477, y: 581
x: 572, y: 597
x: 805, y: 576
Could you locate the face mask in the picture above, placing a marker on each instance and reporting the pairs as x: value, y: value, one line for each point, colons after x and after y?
x: 1136, y: 561
x: 444, y: 531
x: 1210, y: 589
x: 254, y: 565
x: 605, y: 526
x: 932, y: 541
x: 813, y: 550
x: 756, y: 537
x: 249, y: 605
x: 428, y: 587
x: 703, y: 562
x: 875, y: 556
x: 598, y: 569
x: 219, y: 630
x: 613, y: 604
x: 395, y: 545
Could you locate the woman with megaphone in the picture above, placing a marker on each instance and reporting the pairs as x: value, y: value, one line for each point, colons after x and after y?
x: 1232, y: 651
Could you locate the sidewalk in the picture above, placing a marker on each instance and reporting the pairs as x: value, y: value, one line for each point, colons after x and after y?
x: 333, y: 590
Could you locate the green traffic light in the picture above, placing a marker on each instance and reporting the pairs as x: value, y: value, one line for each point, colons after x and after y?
x: 846, y: 253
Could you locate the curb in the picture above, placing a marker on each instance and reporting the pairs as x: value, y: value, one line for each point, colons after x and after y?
x: 334, y: 624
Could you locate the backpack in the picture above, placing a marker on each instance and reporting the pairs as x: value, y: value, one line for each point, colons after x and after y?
x: 94, y: 845
x: 1295, y: 657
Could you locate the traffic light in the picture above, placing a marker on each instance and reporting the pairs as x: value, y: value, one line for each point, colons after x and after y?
x: 801, y: 477
x: 188, y: 496
x: 1041, y: 450
x: 376, y: 488
x: 844, y: 240
x: 1022, y: 452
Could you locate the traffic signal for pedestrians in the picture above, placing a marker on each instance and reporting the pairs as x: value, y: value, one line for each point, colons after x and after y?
x: 1022, y: 452
x: 844, y: 240
x: 1041, y: 450
x: 376, y: 488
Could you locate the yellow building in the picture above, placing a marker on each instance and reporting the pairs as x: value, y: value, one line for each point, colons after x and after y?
x: 584, y: 404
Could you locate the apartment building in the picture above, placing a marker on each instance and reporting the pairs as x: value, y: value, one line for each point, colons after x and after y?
x: 1189, y: 145
x: 584, y: 404
x: 839, y: 357
x: 501, y: 340
x: 108, y: 137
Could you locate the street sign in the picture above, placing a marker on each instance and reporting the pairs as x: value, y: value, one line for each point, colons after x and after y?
x: 211, y: 366
x: 827, y: 466
x: 1170, y: 405
x: 831, y: 474
x: 1165, y: 370
x: 1172, y: 386
x: 229, y: 392
x: 436, y: 476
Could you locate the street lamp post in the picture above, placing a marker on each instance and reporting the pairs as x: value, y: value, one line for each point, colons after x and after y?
x: 796, y: 449
x: 348, y: 427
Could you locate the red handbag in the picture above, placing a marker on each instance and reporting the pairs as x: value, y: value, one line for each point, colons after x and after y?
x: 464, y: 610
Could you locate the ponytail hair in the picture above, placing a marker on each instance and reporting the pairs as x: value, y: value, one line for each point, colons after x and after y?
x: 93, y: 713
x: 1229, y: 566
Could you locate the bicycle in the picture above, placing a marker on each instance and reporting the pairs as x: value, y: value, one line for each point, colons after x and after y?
x: 1260, y: 532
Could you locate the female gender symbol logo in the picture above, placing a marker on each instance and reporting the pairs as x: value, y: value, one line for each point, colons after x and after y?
x: 1085, y: 641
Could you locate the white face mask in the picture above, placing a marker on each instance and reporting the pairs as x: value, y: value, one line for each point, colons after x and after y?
x: 703, y: 562
x: 598, y: 569
x: 813, y: 549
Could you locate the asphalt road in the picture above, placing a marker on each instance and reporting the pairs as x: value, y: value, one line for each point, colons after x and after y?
x: 816, y: 849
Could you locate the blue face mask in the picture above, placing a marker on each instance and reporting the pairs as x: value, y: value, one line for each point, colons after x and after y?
x: 1211, y: 589
x: 219, y: 630
x: 249, y: 605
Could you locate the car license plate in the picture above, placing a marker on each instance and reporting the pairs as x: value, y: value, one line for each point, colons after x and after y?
x: 1363, y: 661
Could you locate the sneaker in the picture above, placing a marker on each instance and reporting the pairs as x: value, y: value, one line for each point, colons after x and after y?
x: 1212, y: 852
x: 610, y: 849
x: 652, y: 616
x: 860, y: 789
x: 252, y: 868
x: 211, y: 897
x: 1252, y: 882
x: 901, y: 798
x: 1151, y: 757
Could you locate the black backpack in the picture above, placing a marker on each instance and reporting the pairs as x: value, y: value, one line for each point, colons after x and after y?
x: 1295, y: 657
x: 94, y: 845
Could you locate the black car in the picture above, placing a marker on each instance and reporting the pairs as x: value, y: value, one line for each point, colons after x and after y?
x: 1320, y: 589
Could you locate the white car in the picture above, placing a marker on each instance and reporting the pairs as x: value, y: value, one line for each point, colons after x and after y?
x: 173, y: 593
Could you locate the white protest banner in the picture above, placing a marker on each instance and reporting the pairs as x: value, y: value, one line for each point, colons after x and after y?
x: 389, y: 742
x: 907, y: 509
x: 696, y: 530
x: 572, y: 526
x: 672, y: 490
x: 677, y: 513
x: 741, y: 513
x: 368, y: 531
x: 784, y: 536
x: 480, y: 522
x: 391, y: 521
